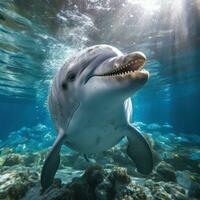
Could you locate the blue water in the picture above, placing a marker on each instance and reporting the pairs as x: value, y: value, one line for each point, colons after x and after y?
x: 36, y: 39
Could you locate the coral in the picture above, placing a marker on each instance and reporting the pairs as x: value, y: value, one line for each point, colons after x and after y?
x: 14, y: 183
x: 79, y: 189
x: 165, y: 191
x: 119, y: 175
x: 106, y: 182
x: 132, y: 192
x: 97, y: 184
x: 122, y: 188
x: 6, y: 150
x: 12, y: 159
x: 165, y: 172
x: 94, y: 175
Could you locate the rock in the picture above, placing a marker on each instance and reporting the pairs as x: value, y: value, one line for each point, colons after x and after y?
x: 104, y: 191
x: 153, y: 126
x: 26, y: 159
x: 109, y: 166
x: 107, y: 184
x: 32, y: 159
x: 95, y: 184
x: 157, y: 191
x: 67, y: 174
x: 79, y: 188
x: 2, y: 160
x: 131, y: 169
x: 175, y: 191
x: 121, y: 158
x: 184, y: 178
x: 194, y: 190
x: 6, y: 151
x: 68, y: 159
x: 13, y: 159
x: 57, y: 183
x: 182, y: 162
x: 15, y: 183
x: 165, y: 172
x: 156, y: 157
x: 104, y: 160
x: 149, y: 139
x: 167, y: 191
x: 81, y: 163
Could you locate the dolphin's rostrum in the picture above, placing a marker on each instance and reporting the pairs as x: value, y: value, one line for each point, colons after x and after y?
x: 91, y: 108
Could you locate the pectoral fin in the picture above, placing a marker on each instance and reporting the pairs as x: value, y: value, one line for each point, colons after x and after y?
x: 52, y: 162
x: 139, y: 151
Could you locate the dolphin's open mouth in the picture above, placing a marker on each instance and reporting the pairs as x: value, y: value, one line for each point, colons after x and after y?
x: 132, y: 66
x: 135, y: 63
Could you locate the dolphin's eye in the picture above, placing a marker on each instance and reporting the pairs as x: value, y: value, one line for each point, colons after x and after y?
x: 71, y: 77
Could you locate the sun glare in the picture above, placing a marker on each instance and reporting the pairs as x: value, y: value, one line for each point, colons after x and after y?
x: 147, y: 5
x: 172, y: 12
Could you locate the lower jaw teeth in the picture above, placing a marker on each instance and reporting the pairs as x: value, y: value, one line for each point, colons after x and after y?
x: 123, y: 74
x: 127, y: 73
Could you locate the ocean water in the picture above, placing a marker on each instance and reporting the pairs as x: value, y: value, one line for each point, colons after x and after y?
x: 37, y: 37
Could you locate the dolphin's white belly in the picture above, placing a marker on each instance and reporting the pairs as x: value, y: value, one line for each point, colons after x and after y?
x: 92, y: 132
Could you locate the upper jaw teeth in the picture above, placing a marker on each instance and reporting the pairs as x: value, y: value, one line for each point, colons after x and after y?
x: 129, y: 68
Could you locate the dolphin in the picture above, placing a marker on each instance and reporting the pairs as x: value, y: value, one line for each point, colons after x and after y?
x: 91, y: 109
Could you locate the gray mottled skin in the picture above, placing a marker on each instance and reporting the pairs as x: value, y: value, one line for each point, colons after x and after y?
x: 92, y: 112
x: 62, y: 105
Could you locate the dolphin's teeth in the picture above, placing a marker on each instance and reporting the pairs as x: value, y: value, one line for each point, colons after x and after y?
x: 127, y: 69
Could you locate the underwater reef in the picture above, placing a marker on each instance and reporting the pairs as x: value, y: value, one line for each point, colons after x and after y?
x: 110, y: 176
